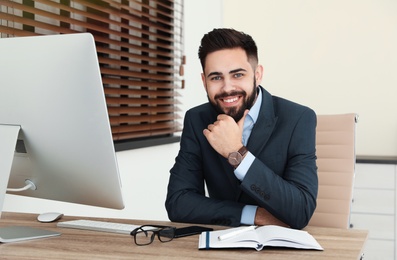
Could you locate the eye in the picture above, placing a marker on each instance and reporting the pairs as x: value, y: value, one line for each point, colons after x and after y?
x: 238, y: 75
x: 216, y: 78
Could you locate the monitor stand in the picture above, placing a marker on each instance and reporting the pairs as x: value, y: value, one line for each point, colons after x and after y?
x: 8, y: 141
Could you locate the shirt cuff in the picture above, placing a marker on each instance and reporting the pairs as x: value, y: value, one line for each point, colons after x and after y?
x: 248, y: 215
x: 242, y: 169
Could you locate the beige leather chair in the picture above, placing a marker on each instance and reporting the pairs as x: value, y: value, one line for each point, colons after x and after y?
x: 335, y: 148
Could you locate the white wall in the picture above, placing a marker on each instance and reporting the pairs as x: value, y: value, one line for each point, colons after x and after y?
x: 332, y: 55
x: 144, y: 172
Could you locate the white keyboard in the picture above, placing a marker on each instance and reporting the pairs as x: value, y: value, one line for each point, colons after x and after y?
x: 98, y: 226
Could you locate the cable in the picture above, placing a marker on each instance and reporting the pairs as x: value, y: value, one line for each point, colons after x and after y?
x: 29, y: 185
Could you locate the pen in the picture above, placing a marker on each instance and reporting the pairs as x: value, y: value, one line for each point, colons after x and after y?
x: 236, y: 232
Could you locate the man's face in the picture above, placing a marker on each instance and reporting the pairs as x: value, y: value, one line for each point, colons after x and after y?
x: 230, y: 81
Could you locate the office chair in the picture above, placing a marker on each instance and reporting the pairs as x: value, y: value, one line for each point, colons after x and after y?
x: 336, y: 158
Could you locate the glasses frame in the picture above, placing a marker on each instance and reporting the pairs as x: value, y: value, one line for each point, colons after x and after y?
x: 155, y: 232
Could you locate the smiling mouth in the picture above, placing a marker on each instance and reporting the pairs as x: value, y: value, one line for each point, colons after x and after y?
x: 230, y: 100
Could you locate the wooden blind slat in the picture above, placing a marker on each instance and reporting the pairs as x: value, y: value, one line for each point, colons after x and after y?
x: 137, y: 101
x: 123, y: 110
x: 133, y: 74
x: 143, y: 59
x: 139, y: 119
x: 141, y: 92
x: 141, y: 84
x: 136, y: 65
x: 143, y: 134
x: 16, y: 32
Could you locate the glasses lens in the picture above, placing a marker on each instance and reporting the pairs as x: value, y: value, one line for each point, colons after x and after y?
x: 166, y: 234
x: 144, y: 237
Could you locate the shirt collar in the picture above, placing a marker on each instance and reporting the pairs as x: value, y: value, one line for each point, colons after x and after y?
x: 254, y: 111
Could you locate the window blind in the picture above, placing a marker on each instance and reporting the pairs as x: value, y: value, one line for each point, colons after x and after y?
x: 140, y: 51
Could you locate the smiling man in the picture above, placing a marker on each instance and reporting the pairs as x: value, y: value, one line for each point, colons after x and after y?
x: 254, y: 152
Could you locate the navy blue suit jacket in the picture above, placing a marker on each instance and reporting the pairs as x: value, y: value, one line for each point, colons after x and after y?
x: 282, y: 178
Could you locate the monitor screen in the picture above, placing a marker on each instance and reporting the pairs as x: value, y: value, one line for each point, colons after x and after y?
x: 54, y: 122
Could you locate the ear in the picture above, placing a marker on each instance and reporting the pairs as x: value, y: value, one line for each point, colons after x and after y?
x: 258, y: 74
x: 204, y: 83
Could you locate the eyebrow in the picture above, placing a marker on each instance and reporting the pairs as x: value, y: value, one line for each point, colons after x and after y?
x: 215, y: 73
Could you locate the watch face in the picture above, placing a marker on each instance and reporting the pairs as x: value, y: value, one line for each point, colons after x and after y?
x: 235, y: 158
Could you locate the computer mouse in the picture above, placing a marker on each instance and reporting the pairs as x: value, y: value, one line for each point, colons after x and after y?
x: 49, y: 217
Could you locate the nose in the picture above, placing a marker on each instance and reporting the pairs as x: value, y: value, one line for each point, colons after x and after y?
x: 228, y: 85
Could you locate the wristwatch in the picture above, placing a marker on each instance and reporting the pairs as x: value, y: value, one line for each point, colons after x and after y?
x: 235, y: 158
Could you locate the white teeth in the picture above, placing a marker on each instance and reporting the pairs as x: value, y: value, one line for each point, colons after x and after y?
x: 230, y: 100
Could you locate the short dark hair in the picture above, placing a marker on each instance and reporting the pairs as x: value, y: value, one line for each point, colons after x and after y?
x: 223, y: 38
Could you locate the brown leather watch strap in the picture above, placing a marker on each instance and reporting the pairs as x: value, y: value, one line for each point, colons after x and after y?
x: 243, y: 150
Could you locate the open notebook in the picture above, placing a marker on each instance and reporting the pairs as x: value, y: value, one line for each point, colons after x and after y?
x: 258, y: 238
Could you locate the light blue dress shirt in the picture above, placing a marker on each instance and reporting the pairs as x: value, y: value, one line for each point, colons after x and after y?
x: 249, y: 211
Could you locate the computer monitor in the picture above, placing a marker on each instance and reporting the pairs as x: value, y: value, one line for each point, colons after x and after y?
x: 52, y: 101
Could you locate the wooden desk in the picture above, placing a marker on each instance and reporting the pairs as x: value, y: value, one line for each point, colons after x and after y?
x: 80, y: 244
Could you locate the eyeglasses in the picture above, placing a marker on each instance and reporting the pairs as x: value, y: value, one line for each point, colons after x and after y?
x: 144, y: 235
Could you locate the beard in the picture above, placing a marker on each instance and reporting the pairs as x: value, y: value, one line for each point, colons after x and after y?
x: 235, y: 112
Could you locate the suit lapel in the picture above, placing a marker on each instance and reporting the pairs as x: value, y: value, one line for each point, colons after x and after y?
x: 262, y: 131
x: 264, y: 126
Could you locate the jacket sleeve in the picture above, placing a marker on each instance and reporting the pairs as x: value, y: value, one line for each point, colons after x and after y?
x: 285, y: 182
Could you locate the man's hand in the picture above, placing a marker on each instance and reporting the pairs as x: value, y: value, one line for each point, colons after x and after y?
x: 263, y: 217
x: 225, y: 135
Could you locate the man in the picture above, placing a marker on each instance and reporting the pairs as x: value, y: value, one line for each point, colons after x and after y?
x: 255, y: 152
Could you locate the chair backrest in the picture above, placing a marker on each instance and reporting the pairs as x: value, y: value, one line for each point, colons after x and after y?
x: 336, y: 159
